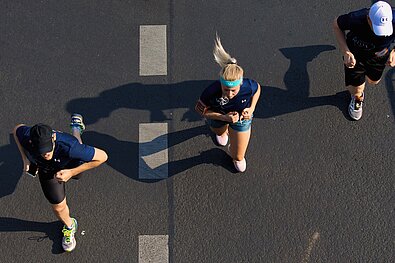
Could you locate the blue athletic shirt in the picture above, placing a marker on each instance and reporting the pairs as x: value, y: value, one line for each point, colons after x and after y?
x: 212, y: 97
x: 67, y: 150
x: 361, y: 40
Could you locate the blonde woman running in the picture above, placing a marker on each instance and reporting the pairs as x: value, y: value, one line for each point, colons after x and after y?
x: 228, y: 106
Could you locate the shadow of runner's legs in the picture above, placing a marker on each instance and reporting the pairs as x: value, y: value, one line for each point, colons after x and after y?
x: 52, y: 231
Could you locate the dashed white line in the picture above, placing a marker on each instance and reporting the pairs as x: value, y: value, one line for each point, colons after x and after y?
x: 314, y: 238
x: 153, y: 248
x: 153, y: 151
x: 153, y: 50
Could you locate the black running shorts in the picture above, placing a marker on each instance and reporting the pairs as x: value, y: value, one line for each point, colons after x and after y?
x: 372, y: 68
x: 55, y: 191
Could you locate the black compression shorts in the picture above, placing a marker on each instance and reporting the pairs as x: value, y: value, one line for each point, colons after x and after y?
x: 55, y: 191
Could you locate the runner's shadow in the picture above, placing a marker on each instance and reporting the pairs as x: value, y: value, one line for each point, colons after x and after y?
x: 276, y: 102
x: 10, y: 167
x: 48, y: 230
x: 389, y: 84
x: 154, y: 98
x: 123, y: 156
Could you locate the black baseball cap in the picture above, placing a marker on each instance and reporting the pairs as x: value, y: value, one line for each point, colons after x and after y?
x: 41, y: 137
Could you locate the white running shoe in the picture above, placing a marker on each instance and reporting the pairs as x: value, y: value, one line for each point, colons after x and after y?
x: 355, y: 107
x: 222, y: 140
x: 240, y: 166
x: 68, y: 241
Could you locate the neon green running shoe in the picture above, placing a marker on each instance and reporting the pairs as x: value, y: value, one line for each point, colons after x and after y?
x: 68, y: 241
x: 77, y: 122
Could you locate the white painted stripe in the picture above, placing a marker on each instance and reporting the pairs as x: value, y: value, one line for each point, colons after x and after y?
x: 154, y: 248
x: 153, y: 151
x: 153, y: 50
x: 313, y: 240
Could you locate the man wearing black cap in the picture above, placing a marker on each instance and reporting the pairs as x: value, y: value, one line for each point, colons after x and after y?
x: 365, y: 49
x: 57, y: 157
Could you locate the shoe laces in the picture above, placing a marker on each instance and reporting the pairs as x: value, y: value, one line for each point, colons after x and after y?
x: 67, y: 233
x: 76, y: 121
x: 358, y: 102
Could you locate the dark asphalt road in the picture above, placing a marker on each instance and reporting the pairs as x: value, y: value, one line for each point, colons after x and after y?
x: 318, y: 187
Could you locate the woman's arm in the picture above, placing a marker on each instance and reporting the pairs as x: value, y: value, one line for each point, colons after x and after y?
x: 247, y: 112
x: 255, y: 98
x: 231, y: 117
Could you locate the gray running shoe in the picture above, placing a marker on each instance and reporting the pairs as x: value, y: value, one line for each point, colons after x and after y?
x: 355, y: 107
x: 77, y: 122
x: 68, y: 241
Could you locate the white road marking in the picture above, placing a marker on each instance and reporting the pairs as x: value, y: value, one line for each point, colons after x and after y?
x: 153, y: 151
x: 153, y: 50
x: 154, y: 248
x: 314, y: 238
